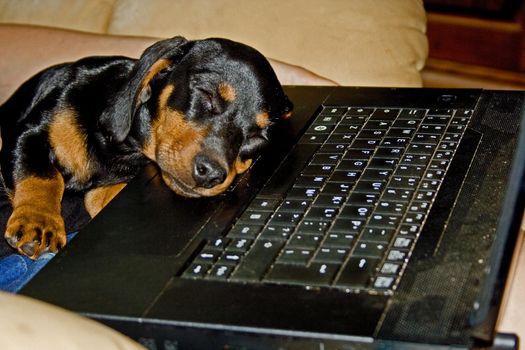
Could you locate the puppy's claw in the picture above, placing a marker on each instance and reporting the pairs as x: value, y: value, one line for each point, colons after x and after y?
x: 28, y: 249
x: 12, y: 241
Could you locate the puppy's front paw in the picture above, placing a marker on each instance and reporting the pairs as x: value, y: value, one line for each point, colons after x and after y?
x: 34, y: 232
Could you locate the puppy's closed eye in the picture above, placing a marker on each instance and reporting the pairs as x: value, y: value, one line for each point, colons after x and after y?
x: 210, y: 103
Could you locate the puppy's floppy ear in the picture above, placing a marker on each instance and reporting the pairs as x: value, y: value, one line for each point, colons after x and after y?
x: 117, y: 119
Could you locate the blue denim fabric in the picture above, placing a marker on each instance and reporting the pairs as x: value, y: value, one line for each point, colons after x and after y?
x: 16, y: 270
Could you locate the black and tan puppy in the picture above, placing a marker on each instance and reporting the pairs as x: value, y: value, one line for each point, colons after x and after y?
x: 199, y: 109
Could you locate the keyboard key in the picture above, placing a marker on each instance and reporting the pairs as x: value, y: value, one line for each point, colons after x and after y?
x: 318, y: 170
x: 334, y: 255
x: 325, y: 158
x: 333, y: 148
x: 403, y: 183
x: 326, y: 120
x: 207, y: 256
x: 283, y: 218
x: 329, y: 200
x: 357, y: 272
x: 383, y: 163
x: 365, y: 144
x: 385, y: 221
x: 362, y: 199
x: 242, y: 230
x: 354, y: 211
x: 254, y: 217
x: 397, y: 195
x: 373, y: 249
x: 310, y: 181
x: 217, y: 244
x: 295, y: 205
x: 388, y: 152
x: 316, y: 274
x: 378, y: 234
x: 257, y: 261
x: 406, y: 123
x: 403, y: 242
x: 426, y: 139
x: 385, y: 114
x: 399, y: 142
x: 333, y: 111
x: 376, y: 174
x: 421, y: 148
x: 409, y: 230
x: 322, y: 213
x: 345, y: 176
x: 351, y: 165
x: 303, y: 193
x: 220, y: 272
x: 351, y: 119
x: 390, y: 268
x: 396, y: 255
x: 398, y: 133
x: 279, y: 233
x: 339, y: 240
x: 341, y: 138
x: 239, y: 245
x: 319, y: 129
x: 355, y: 154
x: 197, y: 270
x: 305, y: 241
x: 347, y: 129
x: 346, y: 225
x: 412, y: 114
x: 384, y: 282
x: 263, y: 204
x: 410, y: 170
x: 299, y: 256
x: 377, y: 124
x: 313, y: 226
x: 365, y: 186
x: 390, y: 207
x: 337, y: 188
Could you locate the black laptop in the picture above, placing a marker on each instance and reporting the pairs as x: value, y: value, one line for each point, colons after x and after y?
x: 378, y: 218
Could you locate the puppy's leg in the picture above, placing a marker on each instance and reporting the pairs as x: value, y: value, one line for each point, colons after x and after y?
x: 36, y: 224
x: 98, y: 198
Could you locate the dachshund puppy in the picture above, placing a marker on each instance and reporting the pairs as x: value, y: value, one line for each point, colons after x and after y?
x: 199, y: 109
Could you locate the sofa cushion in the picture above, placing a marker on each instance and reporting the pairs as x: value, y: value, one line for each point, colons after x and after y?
x: 352, y: 42
x: 85, y: 15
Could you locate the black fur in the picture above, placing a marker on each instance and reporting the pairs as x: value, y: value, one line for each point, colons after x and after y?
x: 116, y: 102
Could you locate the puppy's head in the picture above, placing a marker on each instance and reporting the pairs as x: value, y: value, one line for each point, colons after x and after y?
x: 205, y: 108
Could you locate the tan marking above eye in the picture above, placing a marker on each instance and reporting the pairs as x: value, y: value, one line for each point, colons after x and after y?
x: 262, y: 120
x: 227, y: 92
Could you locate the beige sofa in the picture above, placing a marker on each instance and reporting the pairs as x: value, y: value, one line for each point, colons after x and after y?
x: 352, y: 42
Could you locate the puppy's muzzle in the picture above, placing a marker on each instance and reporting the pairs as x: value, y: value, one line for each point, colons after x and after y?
x: 207, y: 172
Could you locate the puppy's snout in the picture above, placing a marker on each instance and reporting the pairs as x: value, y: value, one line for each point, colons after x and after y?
x: 207, y: 172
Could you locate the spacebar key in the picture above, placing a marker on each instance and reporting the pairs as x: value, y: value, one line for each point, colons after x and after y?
x: 258, y: 260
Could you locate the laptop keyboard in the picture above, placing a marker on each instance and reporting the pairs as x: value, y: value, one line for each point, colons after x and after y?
x: 354, y: 214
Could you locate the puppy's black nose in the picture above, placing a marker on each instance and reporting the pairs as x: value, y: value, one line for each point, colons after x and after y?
x: 207, y: 172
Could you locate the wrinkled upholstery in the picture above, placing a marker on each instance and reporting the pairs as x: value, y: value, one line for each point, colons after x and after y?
x: 353, y: 42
